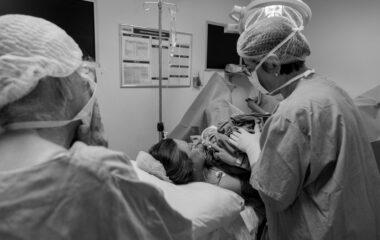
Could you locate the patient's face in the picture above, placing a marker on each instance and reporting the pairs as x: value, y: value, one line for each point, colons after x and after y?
x: 194, y: 152
x: 183, y: 146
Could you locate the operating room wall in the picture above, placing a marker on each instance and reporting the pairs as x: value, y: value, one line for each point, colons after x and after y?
x: 344, y: 37
x: 130, y: 115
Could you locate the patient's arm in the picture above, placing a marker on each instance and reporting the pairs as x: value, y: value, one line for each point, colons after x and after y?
x: 221, y: 179
x: 198, y: 175
x: 231, y: 183
x: 198, y: 158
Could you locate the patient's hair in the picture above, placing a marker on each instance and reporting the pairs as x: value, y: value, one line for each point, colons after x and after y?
x: 177, y: 164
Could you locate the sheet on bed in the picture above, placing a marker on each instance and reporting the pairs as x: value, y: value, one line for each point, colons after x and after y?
x: 242, y: 228
x: 214, y: 212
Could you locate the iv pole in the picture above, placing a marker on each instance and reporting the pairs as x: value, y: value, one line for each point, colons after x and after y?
x: 160, y: 124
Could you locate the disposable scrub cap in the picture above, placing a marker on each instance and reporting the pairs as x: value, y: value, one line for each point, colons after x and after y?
x: 30, y: 49
x: 274, y: 35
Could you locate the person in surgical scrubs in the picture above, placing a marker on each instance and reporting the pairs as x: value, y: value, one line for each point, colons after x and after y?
x: 53, y: 184
x: 312, y: 164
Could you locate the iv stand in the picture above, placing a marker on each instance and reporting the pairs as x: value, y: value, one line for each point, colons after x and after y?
x: 160, y: 124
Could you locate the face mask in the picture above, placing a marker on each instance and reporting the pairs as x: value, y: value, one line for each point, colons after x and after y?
x: 296, y: 78
x: 91, y: 130
x: 256, y: 83
x: 253, y: 78
x: 84, y: 115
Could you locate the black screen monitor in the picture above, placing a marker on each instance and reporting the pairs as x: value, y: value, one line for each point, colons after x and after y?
x: 221, y: 47
x: 76, y: 17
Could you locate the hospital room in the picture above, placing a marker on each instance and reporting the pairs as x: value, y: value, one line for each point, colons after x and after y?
x: 189, y: 119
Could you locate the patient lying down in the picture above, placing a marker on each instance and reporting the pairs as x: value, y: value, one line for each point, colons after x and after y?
x: 209, y: 158
x: 187, y: 162
x: 184, y: 162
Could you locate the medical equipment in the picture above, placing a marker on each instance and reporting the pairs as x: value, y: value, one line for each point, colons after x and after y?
x: 295, y: 10
x: 220, y: 47
x: 173, y: 9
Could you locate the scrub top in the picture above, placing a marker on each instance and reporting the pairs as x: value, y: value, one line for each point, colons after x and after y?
x: 316, y: 173
x: 87, y: 193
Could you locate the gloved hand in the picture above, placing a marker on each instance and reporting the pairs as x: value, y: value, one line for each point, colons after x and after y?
x: 244, y: 140
x: 223, y: 155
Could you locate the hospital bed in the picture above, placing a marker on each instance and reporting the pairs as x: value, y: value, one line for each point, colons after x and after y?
x: 216, y: 213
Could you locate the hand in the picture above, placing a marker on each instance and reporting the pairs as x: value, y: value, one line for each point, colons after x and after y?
x: 246, y: 141
x: 223, y: 155
x: 198, y: 158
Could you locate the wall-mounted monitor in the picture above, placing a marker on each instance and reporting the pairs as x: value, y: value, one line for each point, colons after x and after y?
x: 76, y: 17
x: 221, y: 47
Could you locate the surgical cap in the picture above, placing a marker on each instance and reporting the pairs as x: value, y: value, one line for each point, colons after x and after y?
x: 263, y: 36
x: 32, y: 48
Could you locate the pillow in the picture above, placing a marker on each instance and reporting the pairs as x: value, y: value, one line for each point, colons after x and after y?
x: 208, y: 207
x: 149, y: 164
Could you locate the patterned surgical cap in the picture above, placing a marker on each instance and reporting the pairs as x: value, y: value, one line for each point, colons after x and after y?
x: 263, y: 36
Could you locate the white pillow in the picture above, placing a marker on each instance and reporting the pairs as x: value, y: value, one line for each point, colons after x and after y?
x: 207, y: 206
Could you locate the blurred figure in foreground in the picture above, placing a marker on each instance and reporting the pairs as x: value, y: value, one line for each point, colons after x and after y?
x: 53, y: 186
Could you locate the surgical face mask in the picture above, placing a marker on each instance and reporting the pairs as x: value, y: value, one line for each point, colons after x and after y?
x: 254, y: 79
x: 256, y: 83
x: 91, y: 130
x: 84, y: 115
x: 294, y: 79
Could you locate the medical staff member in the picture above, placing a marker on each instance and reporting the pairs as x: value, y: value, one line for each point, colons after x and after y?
x: 50, y: 187
x: 316, y: 171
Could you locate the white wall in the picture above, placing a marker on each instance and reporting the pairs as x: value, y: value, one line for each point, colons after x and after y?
x: 345, y: 42
x: 130, y: 115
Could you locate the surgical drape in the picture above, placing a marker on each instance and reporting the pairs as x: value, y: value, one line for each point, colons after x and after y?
x: 369, y: 107
x: 214, y: 105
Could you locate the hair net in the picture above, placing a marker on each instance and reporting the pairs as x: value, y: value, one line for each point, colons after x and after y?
x: 260, y: 38
x: 30, y: 49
